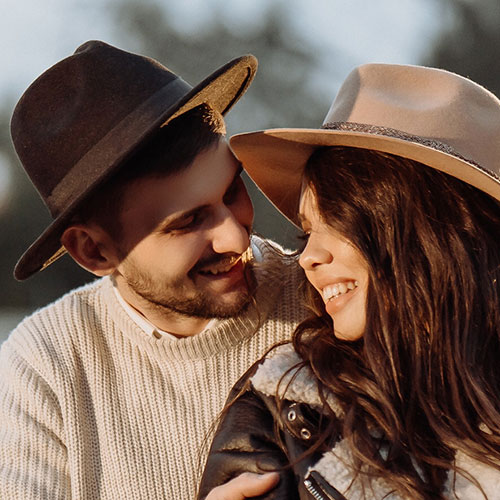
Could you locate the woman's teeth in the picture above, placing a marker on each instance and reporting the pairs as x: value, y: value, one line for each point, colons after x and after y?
x: 333, y: 291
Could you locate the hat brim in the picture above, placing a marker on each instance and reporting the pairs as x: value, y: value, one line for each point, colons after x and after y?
x: 275, y: 160
x: 221, y: 90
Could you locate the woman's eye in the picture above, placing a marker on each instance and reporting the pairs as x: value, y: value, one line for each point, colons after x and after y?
x: 234, y: 190
x: 303, y: 238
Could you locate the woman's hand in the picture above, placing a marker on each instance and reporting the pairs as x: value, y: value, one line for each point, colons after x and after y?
x: 246, y: 485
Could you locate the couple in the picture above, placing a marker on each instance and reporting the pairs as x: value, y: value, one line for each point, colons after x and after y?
x: 390, y: 387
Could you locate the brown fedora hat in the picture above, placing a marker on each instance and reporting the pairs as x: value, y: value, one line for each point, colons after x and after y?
x: 429, y: 115
x: 84, y: 117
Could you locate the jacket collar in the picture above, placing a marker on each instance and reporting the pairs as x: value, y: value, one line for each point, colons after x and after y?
x: 300, y: 386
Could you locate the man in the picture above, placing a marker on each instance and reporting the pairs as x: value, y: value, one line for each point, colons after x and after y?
x: 112, y: 391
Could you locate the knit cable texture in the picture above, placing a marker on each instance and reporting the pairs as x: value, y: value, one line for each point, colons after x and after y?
x: 91, y: 408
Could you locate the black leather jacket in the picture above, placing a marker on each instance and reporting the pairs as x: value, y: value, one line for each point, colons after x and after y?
x: 246, y: 441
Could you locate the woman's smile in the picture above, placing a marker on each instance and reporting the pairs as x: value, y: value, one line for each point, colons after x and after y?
x: 336, y: 269
x: 338, y: 295
x: 333, y: 291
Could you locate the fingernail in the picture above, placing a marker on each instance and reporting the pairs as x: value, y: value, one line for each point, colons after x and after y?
x: 267, y: 475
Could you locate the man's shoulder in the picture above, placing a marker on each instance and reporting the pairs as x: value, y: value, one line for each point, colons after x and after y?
x: 271, y: 253
x: 64, y: 313
x: 78, y: 296
x: 275, y: 262
x: 281, y: 281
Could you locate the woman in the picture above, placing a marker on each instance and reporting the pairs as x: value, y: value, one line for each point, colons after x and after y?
x: 391, y: 389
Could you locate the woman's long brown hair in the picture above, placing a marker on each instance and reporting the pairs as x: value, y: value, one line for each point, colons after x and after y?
x: 425, y: 375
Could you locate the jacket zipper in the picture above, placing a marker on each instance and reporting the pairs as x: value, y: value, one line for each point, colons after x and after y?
x: 312, y: 488
x: 319, y: 491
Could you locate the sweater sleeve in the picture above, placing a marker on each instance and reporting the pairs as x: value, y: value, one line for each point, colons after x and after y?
x: 33, y: 458
x: 245, y: 442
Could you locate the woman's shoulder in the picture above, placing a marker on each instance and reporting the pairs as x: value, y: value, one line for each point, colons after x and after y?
x: 270, y: 370
x: 285, y: 374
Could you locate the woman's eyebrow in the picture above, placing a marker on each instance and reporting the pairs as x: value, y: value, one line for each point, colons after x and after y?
x: 302, y: 218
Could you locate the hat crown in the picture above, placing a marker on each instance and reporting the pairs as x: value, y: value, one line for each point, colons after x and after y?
x: 70, y: 107
x: 426, y: 103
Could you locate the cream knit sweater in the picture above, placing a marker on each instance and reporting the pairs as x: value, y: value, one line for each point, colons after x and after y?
x: 92, y: 408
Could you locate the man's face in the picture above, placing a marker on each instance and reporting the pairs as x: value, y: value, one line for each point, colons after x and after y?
x: 184, y: 236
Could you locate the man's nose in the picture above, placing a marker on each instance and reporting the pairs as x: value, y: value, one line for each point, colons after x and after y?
x: 229, y: 235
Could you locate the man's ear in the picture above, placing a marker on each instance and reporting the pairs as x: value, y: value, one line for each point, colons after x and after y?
x: 91, y: 247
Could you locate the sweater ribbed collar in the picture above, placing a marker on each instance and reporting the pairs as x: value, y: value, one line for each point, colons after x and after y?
x: 225, y: 335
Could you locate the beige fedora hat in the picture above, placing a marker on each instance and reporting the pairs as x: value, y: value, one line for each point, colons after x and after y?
x: 425, y: 114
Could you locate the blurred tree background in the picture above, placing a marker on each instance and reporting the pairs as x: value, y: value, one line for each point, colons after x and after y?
x: 283, y: 94
x: 285, y: 61
x: 470, y: 44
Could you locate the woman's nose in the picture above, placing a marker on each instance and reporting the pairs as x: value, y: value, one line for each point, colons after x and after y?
x: 314, y: 255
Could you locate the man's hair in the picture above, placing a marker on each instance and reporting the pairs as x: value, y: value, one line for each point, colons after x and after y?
x: 425, y: 374
x: 170, y: 150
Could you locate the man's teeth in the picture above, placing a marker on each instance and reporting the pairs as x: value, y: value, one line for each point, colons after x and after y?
x: 219, y: 268
x: 333, y: 291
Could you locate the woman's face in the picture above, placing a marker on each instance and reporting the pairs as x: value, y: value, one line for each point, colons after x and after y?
x: 336, y: 270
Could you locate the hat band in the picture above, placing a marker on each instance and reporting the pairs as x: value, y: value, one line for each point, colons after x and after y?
x: 96, y: 162
x: 59, y: 253
x: 398, y: 134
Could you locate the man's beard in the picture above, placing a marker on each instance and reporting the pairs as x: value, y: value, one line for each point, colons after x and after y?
x: 175, y: 297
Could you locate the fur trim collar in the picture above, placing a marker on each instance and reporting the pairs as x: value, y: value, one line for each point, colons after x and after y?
x: 334, y: 464
x: 299, y: 384
x: 334, y: 467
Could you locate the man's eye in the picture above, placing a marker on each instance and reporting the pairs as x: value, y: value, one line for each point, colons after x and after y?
x: 186, y: 224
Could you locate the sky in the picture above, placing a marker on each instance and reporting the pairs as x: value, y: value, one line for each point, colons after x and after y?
x: 35, y: 34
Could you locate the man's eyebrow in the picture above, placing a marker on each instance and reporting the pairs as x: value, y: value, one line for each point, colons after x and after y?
x: 174, y: 219
x: 171, y: 221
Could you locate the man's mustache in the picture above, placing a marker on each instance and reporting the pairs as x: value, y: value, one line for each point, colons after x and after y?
x: 223, y: 259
